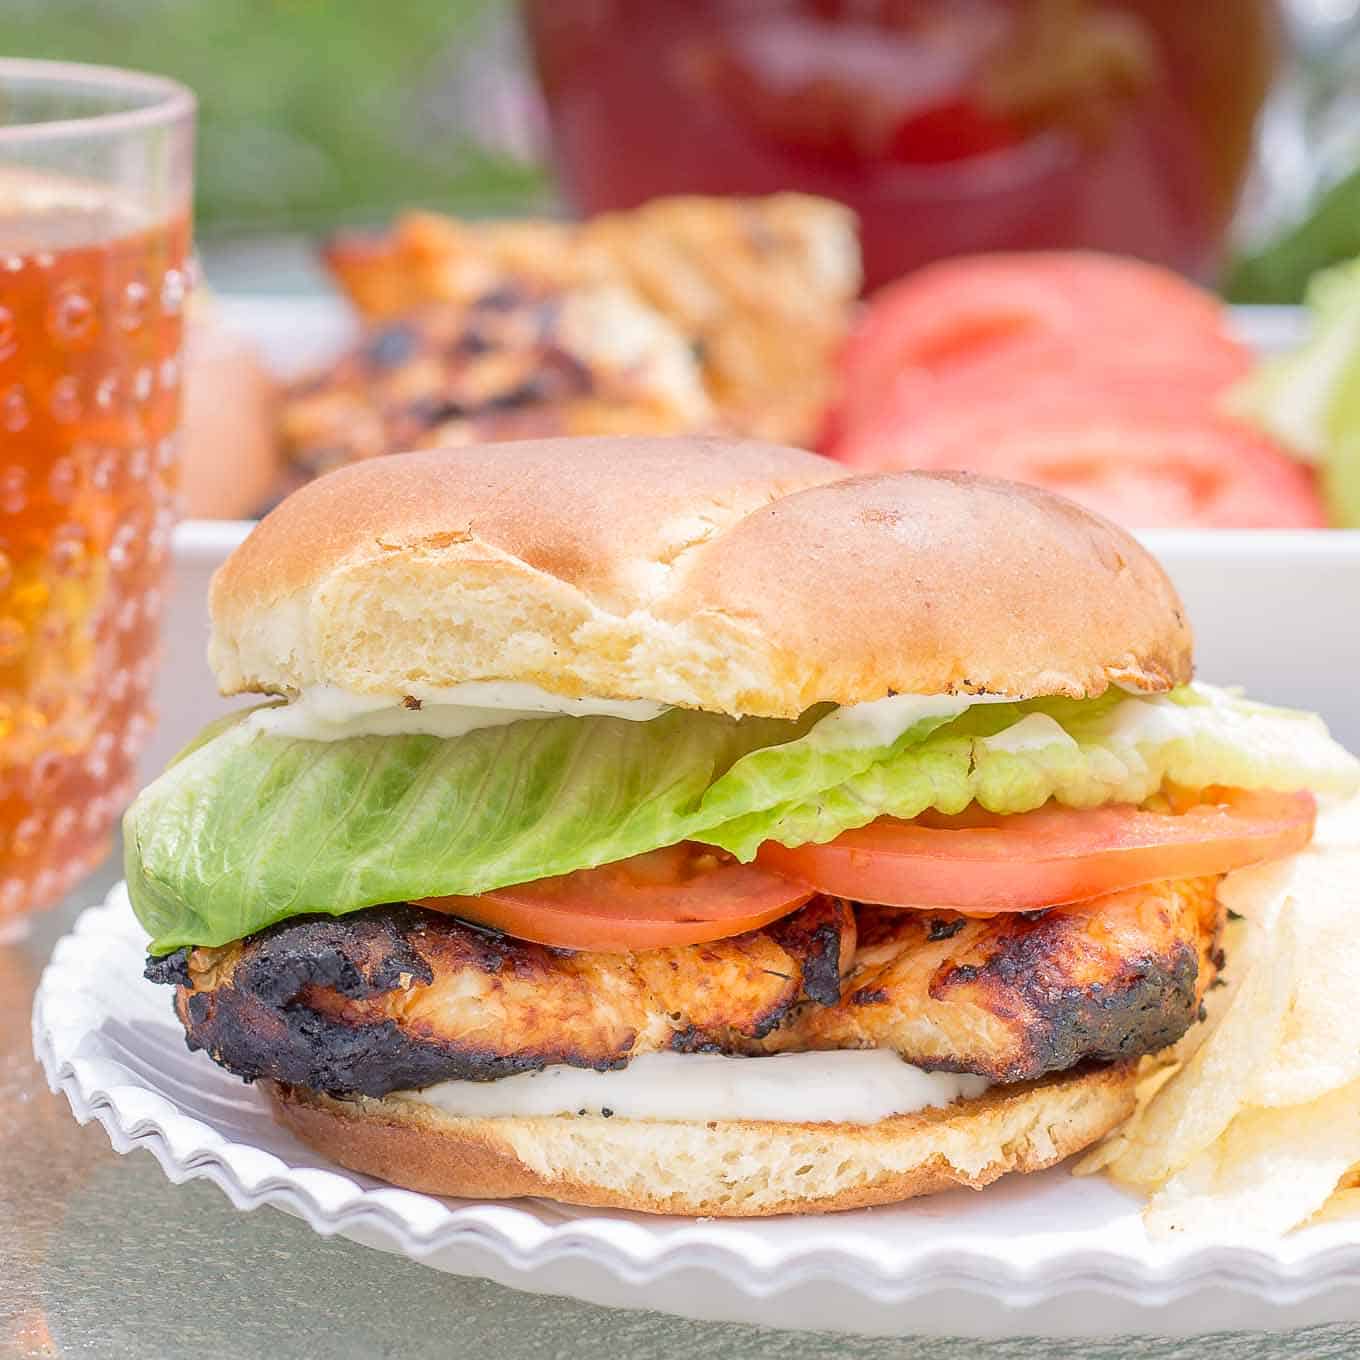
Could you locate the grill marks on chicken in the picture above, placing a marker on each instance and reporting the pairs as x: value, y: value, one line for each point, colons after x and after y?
x: 1019, y: 995
x: 398, y: 997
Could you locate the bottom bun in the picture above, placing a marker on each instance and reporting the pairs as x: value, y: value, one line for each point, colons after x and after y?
x: 726, y: 1168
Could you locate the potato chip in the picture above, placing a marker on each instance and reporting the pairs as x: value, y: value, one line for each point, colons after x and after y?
x: 1270, y: 1171
x: 1319, y: 1047
x: 1199, y: 1102
x: 1344, y: 1204
x: 1345, y: 1200
x: 1251, y: 1124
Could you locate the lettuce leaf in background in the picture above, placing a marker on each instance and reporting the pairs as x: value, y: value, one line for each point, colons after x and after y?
x: 252, y: 827
x: 1309, y: 399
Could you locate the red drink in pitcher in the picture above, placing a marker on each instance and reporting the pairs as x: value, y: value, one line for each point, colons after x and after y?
x: 950, y: 126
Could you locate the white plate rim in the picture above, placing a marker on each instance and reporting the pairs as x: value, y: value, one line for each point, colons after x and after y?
x: 136, y: 1114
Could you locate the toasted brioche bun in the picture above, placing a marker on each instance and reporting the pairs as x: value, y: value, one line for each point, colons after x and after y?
x: 710, y: 573
x: 731, y: 1169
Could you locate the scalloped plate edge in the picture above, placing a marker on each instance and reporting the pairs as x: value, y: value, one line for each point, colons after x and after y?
x: 358, y: 1211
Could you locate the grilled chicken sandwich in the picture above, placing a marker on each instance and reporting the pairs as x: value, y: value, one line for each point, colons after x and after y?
x: 684, y: 825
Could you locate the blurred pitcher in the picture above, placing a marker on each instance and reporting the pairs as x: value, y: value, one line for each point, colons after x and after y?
x: 950, y: 126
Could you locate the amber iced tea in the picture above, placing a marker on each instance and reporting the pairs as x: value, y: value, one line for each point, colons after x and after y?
x: 91, y: 312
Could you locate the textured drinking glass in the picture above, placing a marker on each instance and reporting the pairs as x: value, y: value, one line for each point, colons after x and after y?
x: 96, y: 174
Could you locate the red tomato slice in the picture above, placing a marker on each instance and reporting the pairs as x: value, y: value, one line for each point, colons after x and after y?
x: 1144, y: 472
x: 1040, y: 384
x: 983, y: 864
x: 683, y: 894
x: 983, y: 314
x: 1095, y: 377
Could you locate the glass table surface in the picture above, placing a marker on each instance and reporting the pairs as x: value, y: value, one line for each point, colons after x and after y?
x: 100, y: 1255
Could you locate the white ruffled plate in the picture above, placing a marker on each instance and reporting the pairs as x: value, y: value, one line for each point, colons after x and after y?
x: 1047, y: 1255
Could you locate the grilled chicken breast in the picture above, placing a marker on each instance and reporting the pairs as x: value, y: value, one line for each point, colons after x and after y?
x: 398, y: 997
x: 1019, y: 995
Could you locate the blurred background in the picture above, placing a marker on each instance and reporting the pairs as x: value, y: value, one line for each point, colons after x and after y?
x: 316, y: 116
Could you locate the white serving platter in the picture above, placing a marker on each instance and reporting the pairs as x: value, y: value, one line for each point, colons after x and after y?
x: 1275, y: 612
x: 1048, y: 1255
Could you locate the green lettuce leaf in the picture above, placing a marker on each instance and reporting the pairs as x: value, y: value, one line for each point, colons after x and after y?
x: 1309, y: 399
x: 1015, y: 757
x: 251, y: 827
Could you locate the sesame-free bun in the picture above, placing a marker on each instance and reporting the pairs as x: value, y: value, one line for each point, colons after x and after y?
x: 733, y: 1168
x: 711, y: 573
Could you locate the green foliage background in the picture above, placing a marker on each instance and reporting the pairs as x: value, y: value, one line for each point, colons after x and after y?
x: 313, y: 113
x: 322, y: 113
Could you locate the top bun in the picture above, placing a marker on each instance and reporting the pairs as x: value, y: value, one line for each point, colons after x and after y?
x: 735, y: 577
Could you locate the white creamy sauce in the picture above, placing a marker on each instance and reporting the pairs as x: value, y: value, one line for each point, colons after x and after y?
x: 1148, y: 722
x: 881, y: 721
x: 1034, y: 732
x: 849, y: 1086
x: 329, y: 713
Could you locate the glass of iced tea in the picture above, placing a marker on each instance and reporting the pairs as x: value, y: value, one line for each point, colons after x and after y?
x: 96, y: 173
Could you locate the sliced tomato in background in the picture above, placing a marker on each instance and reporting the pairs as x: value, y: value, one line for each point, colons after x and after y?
x: 1036, y: 386
x: 935, y: 323
x: 1099, y: 378
x: 985, y: 864
x: 966, y: 317
x: 1142, y: 472
x: 1153, y: 476
x: 683, y: 894
x: 1063, y: 294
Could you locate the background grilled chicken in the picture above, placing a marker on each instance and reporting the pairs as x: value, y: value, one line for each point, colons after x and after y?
x: 399, y: 997
x: 758, y: 290
x: 512, y: 364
